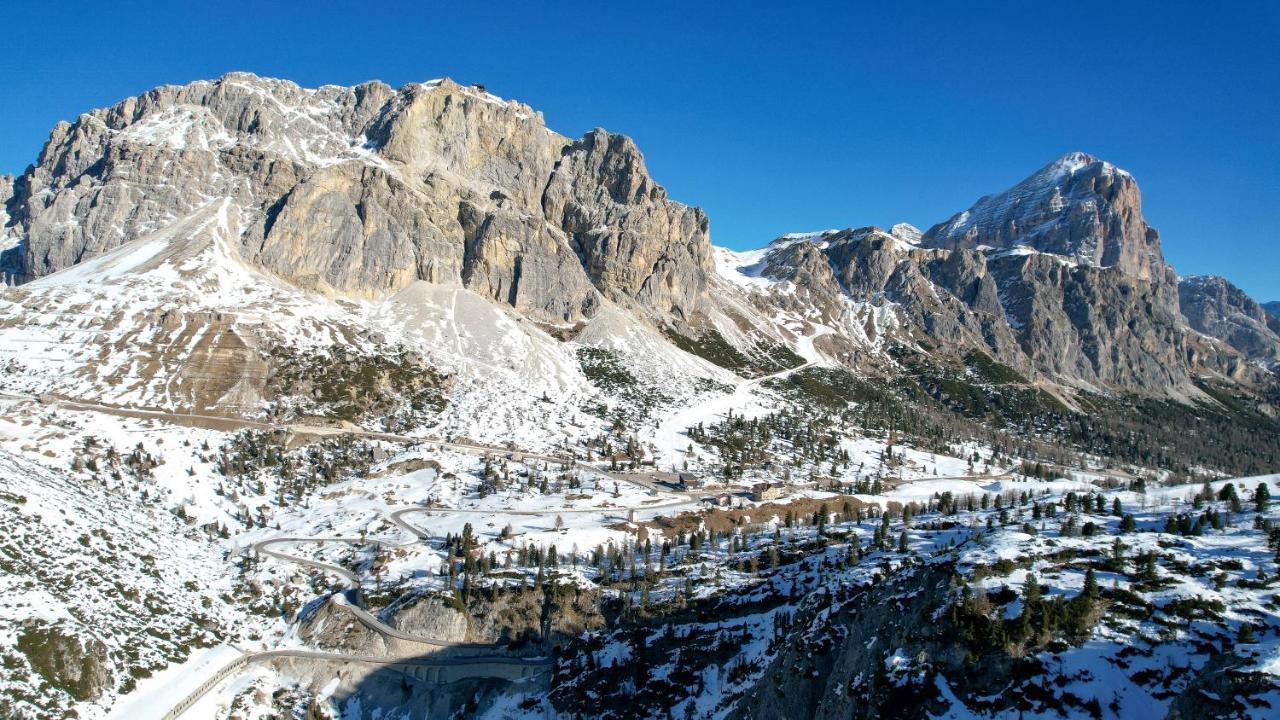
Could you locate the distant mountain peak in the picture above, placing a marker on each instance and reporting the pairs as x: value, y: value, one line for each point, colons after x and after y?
x: 1069, y: 164
x: 906, y: 232
x: 1076, y: 206
x: 1215, y: 307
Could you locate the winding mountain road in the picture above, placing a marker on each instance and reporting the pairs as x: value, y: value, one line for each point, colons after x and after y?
x: 486, y: 663
x: 420, y: 667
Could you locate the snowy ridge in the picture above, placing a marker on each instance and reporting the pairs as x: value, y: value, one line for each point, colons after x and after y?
x: 744, y: 268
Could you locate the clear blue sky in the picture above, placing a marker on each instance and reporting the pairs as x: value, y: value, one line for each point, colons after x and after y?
x: 774, y: 117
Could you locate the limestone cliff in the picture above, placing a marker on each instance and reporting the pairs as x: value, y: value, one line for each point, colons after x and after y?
x: 362, y: 190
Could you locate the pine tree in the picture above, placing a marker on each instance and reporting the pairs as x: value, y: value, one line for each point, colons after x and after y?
x: 1030, y: 604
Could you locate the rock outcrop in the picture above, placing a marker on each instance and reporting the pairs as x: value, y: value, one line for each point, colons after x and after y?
x: 68, y: 658
x: 632, y: 240
x: 1215, y: 307
x: 361, y: 191
x: 428, y: 616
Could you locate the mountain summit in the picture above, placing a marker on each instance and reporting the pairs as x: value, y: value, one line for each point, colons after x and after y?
x: 360, y: 191
x: 1076, y: 206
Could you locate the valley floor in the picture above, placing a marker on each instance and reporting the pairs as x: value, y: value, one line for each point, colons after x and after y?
x: 202, y: 574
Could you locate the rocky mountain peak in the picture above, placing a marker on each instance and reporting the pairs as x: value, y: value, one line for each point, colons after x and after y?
x: 443, y: 126
x: 1077, y: 206
x: 364, y: 190
x: 1067, y: 165
x: 906, y: 232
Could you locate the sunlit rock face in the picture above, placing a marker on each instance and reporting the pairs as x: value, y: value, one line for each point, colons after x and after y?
x: 363, y: 190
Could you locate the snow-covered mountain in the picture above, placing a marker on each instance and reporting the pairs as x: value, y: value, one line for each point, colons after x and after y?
x: 249, y: 315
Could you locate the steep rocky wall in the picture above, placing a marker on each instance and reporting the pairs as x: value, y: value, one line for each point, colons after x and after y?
x: 1215, y: 307
x: 1036, y: 312
x: 360, y: 191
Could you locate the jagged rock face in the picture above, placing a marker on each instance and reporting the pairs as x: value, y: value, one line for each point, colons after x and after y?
x: 633, y: 241
x: 1077, y: 206
x: 1058, y: 277
x: 1036, y: 312
x: 1215, y: 307
x: 1100, y: 326
x: 118, y: 173
x: 871, y: 265
x: 360, y: 191
x: 867, y: 265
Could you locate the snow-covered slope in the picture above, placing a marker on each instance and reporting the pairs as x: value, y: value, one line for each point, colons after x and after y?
x: 274, y: 345
x: 176, y: 321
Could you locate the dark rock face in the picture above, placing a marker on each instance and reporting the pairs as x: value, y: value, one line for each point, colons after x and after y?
x: 73, y: 663
x: 835, y: 676
x: 360, y: 191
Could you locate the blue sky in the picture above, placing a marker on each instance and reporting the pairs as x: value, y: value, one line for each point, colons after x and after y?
x: 774, y: 117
